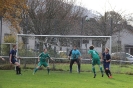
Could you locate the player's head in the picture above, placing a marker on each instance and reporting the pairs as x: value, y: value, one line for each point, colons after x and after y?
x: 91, y: 47
x: 75, y: 47
x: 106, y: 50
x: 14, y: 46
x: 45, y: 49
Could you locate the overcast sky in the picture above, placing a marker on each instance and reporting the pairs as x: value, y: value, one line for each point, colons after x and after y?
x: 101, y: 6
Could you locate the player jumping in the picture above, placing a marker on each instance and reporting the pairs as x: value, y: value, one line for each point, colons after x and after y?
x: 42, y: 59
x: 106, y: 62
x: 95, y: 60
x: 13, y: 60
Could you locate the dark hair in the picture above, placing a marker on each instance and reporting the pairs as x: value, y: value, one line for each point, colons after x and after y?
x: 91, y: 47
x: 14, y: 45
x: 74, y: 45
x: 44, y: 48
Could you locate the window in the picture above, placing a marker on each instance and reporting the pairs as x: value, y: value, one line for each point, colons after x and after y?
x: 96, y: 43
x: 6, y: 35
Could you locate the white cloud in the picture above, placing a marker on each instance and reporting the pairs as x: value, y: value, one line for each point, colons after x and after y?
x: 107, y: 5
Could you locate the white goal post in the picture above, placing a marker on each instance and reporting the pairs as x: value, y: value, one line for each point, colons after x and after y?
x: 61, y: 36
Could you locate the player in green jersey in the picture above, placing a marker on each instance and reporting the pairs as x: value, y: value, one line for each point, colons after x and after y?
x: 95, y: 60
x: 42, y: 59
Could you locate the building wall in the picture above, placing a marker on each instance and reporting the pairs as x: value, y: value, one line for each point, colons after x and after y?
x: 5, y: 30
x: 126, y: 37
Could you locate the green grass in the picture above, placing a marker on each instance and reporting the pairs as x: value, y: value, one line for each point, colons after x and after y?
x: 62, y: 79
x: 115, y: 68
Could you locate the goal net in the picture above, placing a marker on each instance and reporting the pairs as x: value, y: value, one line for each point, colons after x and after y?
x: 59, y: 46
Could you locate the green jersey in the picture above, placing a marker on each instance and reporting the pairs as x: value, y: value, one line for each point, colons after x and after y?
x: 44, y: 56
x: 94, y: 54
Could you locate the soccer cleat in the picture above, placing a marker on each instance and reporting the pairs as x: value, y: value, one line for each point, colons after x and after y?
x: 110, y: 76
x: 102, y: 74
x: 19, y: 74
x: 94, y: 75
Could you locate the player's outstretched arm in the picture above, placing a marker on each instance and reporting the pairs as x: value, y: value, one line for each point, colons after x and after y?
x: 2, y: 58
x: 18, y: 58
x: 69, y: 57
x: 10, y: 58
x: 51, y: 59
x: 70, y: 54
x: 101, y: 57
x: 90, y: 56
x: 38, y: 59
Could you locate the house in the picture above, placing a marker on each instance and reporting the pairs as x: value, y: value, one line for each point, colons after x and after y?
x: 6, y: 32
x: 124, y: 38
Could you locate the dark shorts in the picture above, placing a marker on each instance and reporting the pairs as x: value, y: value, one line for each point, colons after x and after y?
x: 13, y: 61
x: 75, y: 60
x: 106, y: 65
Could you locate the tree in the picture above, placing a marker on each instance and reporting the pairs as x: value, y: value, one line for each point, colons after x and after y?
x: 11, y: 11
x: 50, y: 17
x: 106, y: 25
x: 6, y: 47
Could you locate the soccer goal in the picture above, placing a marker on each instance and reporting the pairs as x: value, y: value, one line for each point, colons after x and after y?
x: 59, y: 46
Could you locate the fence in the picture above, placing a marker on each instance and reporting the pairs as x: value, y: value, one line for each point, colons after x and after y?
x: 59, y: 47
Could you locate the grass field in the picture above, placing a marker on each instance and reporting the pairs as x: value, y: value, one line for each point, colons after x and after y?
x: 62, y: 79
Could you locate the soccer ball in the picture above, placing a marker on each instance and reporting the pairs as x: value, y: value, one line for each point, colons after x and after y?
x: 87, y: 19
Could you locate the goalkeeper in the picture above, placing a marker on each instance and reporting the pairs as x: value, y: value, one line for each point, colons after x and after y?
x: 75, y: 57
x: 42, y: 59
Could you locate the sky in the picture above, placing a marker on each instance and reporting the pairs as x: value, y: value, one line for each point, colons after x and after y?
x: 122, y: 6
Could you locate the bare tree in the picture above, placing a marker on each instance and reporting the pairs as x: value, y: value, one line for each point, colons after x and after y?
x: 51, y: 17
x: 105, y: 25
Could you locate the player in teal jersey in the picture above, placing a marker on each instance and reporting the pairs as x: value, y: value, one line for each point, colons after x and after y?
x: 95, y: 60
x: 42, y: 59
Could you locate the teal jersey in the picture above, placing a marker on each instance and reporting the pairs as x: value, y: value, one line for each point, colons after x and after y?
x: 44, y: 57
x: 94, y: 54
x: 75, y: 54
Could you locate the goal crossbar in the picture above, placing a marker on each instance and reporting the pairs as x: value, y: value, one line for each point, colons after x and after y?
x: 68, y: 36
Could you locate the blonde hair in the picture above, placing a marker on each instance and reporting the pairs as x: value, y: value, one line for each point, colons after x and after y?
x: 107, y: 48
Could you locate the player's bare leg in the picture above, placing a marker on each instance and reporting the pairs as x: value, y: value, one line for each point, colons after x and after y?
x: 18, y: 69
